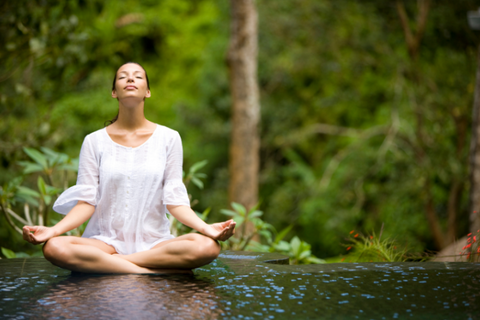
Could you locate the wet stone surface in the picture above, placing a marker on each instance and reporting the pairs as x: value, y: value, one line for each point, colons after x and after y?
x: 241, y: 285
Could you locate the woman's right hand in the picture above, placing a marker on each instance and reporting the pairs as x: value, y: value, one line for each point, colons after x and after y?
x: 40, y: 234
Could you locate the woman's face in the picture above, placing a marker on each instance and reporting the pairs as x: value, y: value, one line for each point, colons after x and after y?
x: 131, y: 82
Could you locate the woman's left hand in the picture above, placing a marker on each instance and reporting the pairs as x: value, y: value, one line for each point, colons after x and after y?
x: 220, y: 231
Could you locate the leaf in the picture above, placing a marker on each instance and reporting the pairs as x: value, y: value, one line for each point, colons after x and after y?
x: 197, y: 182
x: 283, y: 233
x: 28, y: 199
x: 51, y: 191
x: 304, y: 254
x: 24, y: 191
x: 198, y: 165
x: 36, y: 156
x: 41, y: 186
x: 49, y: 152
x: 228, y: 212
x: 283, y: 246
x: 239, y: 220
x: 316, y: 260
x: 9, y: 254
x: 239, y: 208
x: 256, y: 213
x: 295, y: 244
x: 30, y: 167
x: 47, y: 199
x: 266, y: 234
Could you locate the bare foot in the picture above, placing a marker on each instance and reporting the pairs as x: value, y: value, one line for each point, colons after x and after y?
x: 143, y: 270
x: 168, y: 271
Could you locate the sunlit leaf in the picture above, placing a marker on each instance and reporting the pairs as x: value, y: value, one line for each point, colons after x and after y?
x: 41, y: 186
x: 197, y: 182
x: 198, y: 165
x: 228, y: 212
x: 30, y: 167
x: 9, y: 254
x: 239, y: 208
x: 36, y: 156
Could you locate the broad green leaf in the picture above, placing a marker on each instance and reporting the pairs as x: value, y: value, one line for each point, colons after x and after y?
x: 239, y: 220
x: 47, y: 199
x: 283, y: 246
x: 197, y: 182
x: 27, y: 192
x: 295, y: 244
x: 41, y: 186
x: 28, y: 199
x: 316, y: 260
x: 255, y: 214
x: 266, y: 234
x: 239, y: 208
x: 9, y: 254
x: 283, y: 233
x: 51, y: 191
x: 36, y: 156
x: 228, y: 212
x: 304, y: 254
x: 50, y: 153
x: 30, y: 167
x: 198, y: 165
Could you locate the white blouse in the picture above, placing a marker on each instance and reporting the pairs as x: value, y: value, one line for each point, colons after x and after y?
x: 130, y: 188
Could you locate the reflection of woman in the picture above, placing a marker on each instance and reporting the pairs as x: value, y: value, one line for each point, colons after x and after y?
x: 129, y: 173
x: 128, y: 297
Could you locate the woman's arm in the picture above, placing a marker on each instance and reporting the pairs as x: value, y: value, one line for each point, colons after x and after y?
x: 78, y: 215
x: 217, y: 231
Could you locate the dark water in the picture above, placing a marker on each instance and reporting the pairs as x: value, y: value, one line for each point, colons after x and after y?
x: 238, y: 286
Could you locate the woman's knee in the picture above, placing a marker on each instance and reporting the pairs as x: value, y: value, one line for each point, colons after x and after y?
x: 208, y: 249
x: 55, y: 250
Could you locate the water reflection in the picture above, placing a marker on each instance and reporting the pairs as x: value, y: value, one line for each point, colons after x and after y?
x: 129, y: 297
x: 235, y: 289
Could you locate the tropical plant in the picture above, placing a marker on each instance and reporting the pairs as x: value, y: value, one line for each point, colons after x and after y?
x: 298, y: 250
x: 55, y: 168
x: 372, y: 248
x: 472, y: 249
x: 176, y: 227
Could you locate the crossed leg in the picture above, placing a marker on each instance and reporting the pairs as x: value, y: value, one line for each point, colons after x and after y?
x: 94, y: 256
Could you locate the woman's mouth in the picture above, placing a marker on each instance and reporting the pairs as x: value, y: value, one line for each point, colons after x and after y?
x: 130, y: 87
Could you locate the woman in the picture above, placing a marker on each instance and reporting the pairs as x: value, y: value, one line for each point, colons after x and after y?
x: 129, y: 173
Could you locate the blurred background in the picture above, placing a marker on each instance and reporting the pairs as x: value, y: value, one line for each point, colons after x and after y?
x: 366, y: 106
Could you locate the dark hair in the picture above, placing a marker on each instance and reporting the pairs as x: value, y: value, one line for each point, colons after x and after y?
x: 109, y: 122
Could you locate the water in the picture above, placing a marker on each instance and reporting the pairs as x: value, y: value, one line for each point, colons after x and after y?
x: 241, y: 286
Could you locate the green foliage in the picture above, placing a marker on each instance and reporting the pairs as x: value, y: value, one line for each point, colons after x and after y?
x: 36, y: 204
x: 298, y: 251
x: 372, y: 248
x: 9, y: 254
x: 249, y: 225
x: 398, y: 132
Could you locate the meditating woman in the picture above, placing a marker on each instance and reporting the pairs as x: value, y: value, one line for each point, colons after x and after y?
x: 130, y: 173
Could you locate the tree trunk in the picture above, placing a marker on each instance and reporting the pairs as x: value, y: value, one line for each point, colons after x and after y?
x: 245, y: 142
x: 475, y: 157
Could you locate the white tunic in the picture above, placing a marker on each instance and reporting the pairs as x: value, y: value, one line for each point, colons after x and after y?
x: 129, y: 187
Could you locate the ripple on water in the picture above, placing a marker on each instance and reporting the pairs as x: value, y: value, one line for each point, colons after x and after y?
x: 222, y: 291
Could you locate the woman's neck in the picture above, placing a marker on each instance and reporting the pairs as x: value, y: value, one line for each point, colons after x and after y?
x: 131, y: 116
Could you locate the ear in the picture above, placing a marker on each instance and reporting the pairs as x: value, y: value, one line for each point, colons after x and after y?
x: 114, y: 94
x: 147, y: 94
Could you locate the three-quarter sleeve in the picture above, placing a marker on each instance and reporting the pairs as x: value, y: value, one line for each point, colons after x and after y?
x: 174, y: 191
x: 87, y: 181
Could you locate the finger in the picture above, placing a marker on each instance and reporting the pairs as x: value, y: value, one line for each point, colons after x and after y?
x: 25, y: 233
